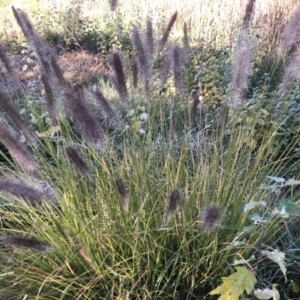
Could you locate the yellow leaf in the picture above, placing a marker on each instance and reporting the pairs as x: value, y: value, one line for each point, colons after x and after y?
x: 235, y: 285
x: 295, y: 287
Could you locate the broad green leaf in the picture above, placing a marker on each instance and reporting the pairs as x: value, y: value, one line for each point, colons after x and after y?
x: 290, y: 207
x: 234, y: 285
x: 277, y: 257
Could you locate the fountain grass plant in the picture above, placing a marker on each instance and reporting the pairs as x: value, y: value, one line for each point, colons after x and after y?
x: 150, y: 208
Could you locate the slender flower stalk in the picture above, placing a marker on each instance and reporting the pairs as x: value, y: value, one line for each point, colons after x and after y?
x: 174, y: 202
x: 77, y: 161
x: 23, y: 190
x: 26, y: 242
x: 124, y: 201
x: 84, y: 117
x: 120, y: 76
x: 166, y: 34
x: 18, y: 151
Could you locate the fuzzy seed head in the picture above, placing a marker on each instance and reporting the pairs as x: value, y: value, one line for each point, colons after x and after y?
x: 174, y: 202
x: 141, y: 54
x: 241, y: 72
x: 135, y: 71
x: 24, y: 242
x: 177, y: 70
x: 166, y: 34
x: 124, y: 201
x: 84, y: 117
x: 212, y: 217
x: 77, y: 161
x: 108, y: 109
x: 113, y: 4
x: 193, y: 111
x: 291, y: 35
x: 186, y: 43
x: 18, y: 151
x: 248, y: 14
x: 164, y: 71
x: 7, y: 106
x: 150, y: 40
x: 23, y: 190
x: 120, y: 76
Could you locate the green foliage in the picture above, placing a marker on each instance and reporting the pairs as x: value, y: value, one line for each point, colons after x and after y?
x: 210, y: 69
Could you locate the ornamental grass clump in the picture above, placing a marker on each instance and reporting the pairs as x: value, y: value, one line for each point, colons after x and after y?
x: 157, y: 207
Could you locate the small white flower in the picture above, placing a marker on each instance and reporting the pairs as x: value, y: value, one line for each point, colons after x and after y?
x: 130, y: 113
x: 143, y: 116
x: 142, y: 131
x: 127, y: 127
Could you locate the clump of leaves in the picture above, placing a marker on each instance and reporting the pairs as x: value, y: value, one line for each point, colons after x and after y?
x: 208, y: 74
